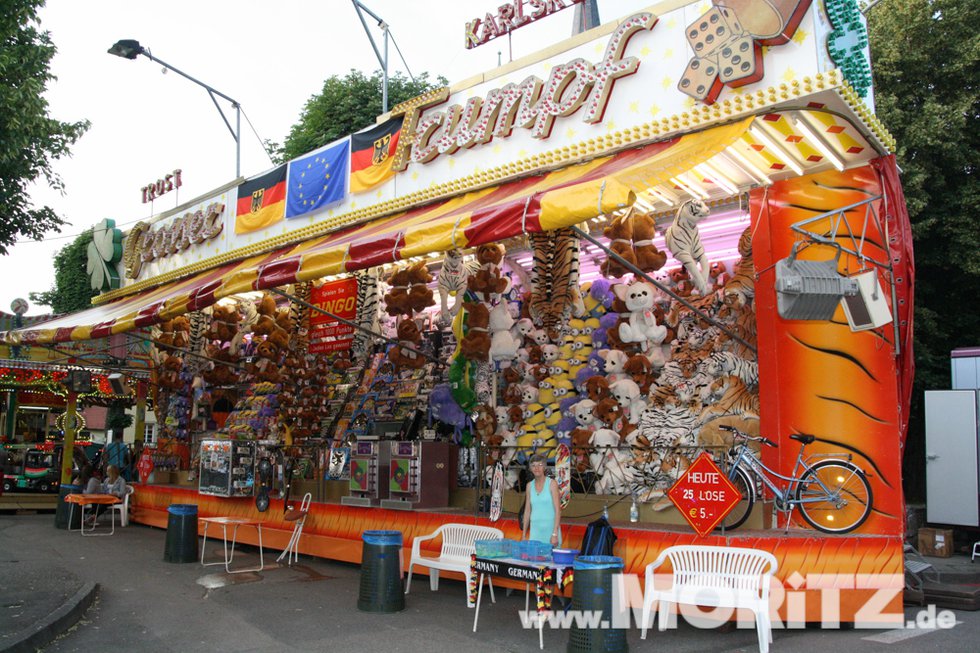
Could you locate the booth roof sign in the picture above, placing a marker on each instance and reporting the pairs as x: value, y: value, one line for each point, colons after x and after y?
x: 704, y: 495
x: 510, y: 16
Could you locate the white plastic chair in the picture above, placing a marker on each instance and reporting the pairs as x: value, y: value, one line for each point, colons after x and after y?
x: 123, y: 508
x: 298, y: 517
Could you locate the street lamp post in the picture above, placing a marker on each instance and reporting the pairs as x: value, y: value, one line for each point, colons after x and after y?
x: 130, y: 49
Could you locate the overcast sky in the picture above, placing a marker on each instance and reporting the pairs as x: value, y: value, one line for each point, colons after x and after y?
x: 270, y: 56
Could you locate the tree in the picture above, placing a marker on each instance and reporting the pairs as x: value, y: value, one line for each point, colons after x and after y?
x: 924, y: 55
x: 346, y: 105
x: 72, y: 290
x: 116, y: 417
x: 30, y: 140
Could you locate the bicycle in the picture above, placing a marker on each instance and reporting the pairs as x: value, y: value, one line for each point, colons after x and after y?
x: 833, y: 494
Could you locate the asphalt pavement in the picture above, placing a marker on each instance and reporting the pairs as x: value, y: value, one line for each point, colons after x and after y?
x: 139, y: 602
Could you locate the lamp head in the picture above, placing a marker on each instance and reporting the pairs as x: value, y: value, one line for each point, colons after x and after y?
x: 126, y: 48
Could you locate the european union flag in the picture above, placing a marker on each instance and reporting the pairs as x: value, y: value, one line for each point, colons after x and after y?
x: 318, y: 179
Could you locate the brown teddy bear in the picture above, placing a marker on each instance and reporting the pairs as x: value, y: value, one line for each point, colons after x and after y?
x: 648, y: 257
x: 487, y: 282
x: 489, y: 256
x: 267, y: 305
x: 476, y: 342
x: 513, y: 374
x: 225, y: 313
x: 597, y: 387
x: 515, y: 413
x: 267, y: 350
x: 514, y: 397
x: 397, y: 300
x: 279, y: 337
x: 640, y: 370
x: 408, y: 336
x: 485, y: 423
x: 580, y: 449
x: 172, y: 362
x: 181, y: 323
x: 264, y: 326
x: 619, y: 231
x: 419, y: 294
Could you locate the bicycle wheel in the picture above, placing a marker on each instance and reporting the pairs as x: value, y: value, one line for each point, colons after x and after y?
x: 743, y: 508
x: 834, y: 496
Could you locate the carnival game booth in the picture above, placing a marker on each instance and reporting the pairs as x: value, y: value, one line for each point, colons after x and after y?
x: 672, y: 225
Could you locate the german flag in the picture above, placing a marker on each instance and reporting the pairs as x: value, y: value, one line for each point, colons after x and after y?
x: 372, y: 154
x: 261, y: 201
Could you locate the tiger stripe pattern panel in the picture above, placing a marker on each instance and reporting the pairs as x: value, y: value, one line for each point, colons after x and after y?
x: 368, y: 305
x: 819, y: 377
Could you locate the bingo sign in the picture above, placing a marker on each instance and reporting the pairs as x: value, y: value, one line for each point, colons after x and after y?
x: 326, y: 333
x: 704, y: 495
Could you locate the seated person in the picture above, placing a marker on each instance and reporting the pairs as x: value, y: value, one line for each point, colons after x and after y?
x: 88, y: 480
x: 114, y: 484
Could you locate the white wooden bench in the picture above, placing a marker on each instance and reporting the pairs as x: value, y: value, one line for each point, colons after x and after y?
x: 712, y: 576
x: 458, y: 544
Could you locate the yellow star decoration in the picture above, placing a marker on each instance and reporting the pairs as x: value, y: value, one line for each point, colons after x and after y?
x: 353, y: 204
x: 689, y: 102
x: 415, y: 175
x: 634, y: 106
x: 310, y: 219
x: 704, y: 7
x: 669, y: 53
x: 497, y: 149
x: 800, y: 36
x: 569, y: 133
x: 378, y: 194
x: 789, y: 74
x: 599, y: 48
x: 672, y: 23
x: 667, y: 83
x: 645, y: 51
x: 610, y: 125
x: 452, y: 162
x: 522, y: 153
x: 654, y: 110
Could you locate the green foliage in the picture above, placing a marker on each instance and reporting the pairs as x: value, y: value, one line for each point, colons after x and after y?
x: 344, y: 106
x: 116, y: 417
x: 30, y: 140
x: 924, y: 55
x: 72, y: 290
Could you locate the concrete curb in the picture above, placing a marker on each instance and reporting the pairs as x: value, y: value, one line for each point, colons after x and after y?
x: 44, y: 631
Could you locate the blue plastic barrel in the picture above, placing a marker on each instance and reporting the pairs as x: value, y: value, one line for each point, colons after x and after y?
x: 181, y: 544
x: 381, y: 572
x: 593, y: 592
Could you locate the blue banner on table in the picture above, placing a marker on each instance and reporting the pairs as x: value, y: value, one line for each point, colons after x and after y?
x: 317, y: 180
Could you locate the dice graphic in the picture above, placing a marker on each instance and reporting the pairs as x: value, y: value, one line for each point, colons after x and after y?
x: 700, y: 79
x: 740, y: 62
x: 712, y: 30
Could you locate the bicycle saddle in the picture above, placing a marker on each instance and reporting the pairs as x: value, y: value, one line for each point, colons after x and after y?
x: 803, y: 437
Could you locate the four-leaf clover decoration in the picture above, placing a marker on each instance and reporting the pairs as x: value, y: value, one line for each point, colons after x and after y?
x: 104, y: 253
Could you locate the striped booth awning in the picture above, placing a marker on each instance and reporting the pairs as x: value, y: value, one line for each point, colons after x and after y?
x: 543, y: 202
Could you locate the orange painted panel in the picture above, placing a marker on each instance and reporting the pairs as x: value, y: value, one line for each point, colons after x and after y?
x: 819, y: 377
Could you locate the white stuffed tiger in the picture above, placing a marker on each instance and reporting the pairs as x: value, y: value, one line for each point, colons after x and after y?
x: 684, y: 241
x: 452, y: 281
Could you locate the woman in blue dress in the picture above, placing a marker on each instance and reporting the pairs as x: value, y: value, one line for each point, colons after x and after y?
x: 542, y: 507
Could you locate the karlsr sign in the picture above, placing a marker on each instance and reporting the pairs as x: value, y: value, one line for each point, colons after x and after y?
x: 509, y: 17
x: 533, y: 104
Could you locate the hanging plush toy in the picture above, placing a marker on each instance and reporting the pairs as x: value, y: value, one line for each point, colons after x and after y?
x: 648, y: 257
x: 620, y: 235
x: 451, y: 282
x: 419, y: 293
x: 642, y: 327
x: 409, y: 337
x: 684, y: 242
x: 503, y: 343
x: 475, y: 345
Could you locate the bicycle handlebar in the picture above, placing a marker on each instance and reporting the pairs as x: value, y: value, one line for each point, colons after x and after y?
x: 746, y: 436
